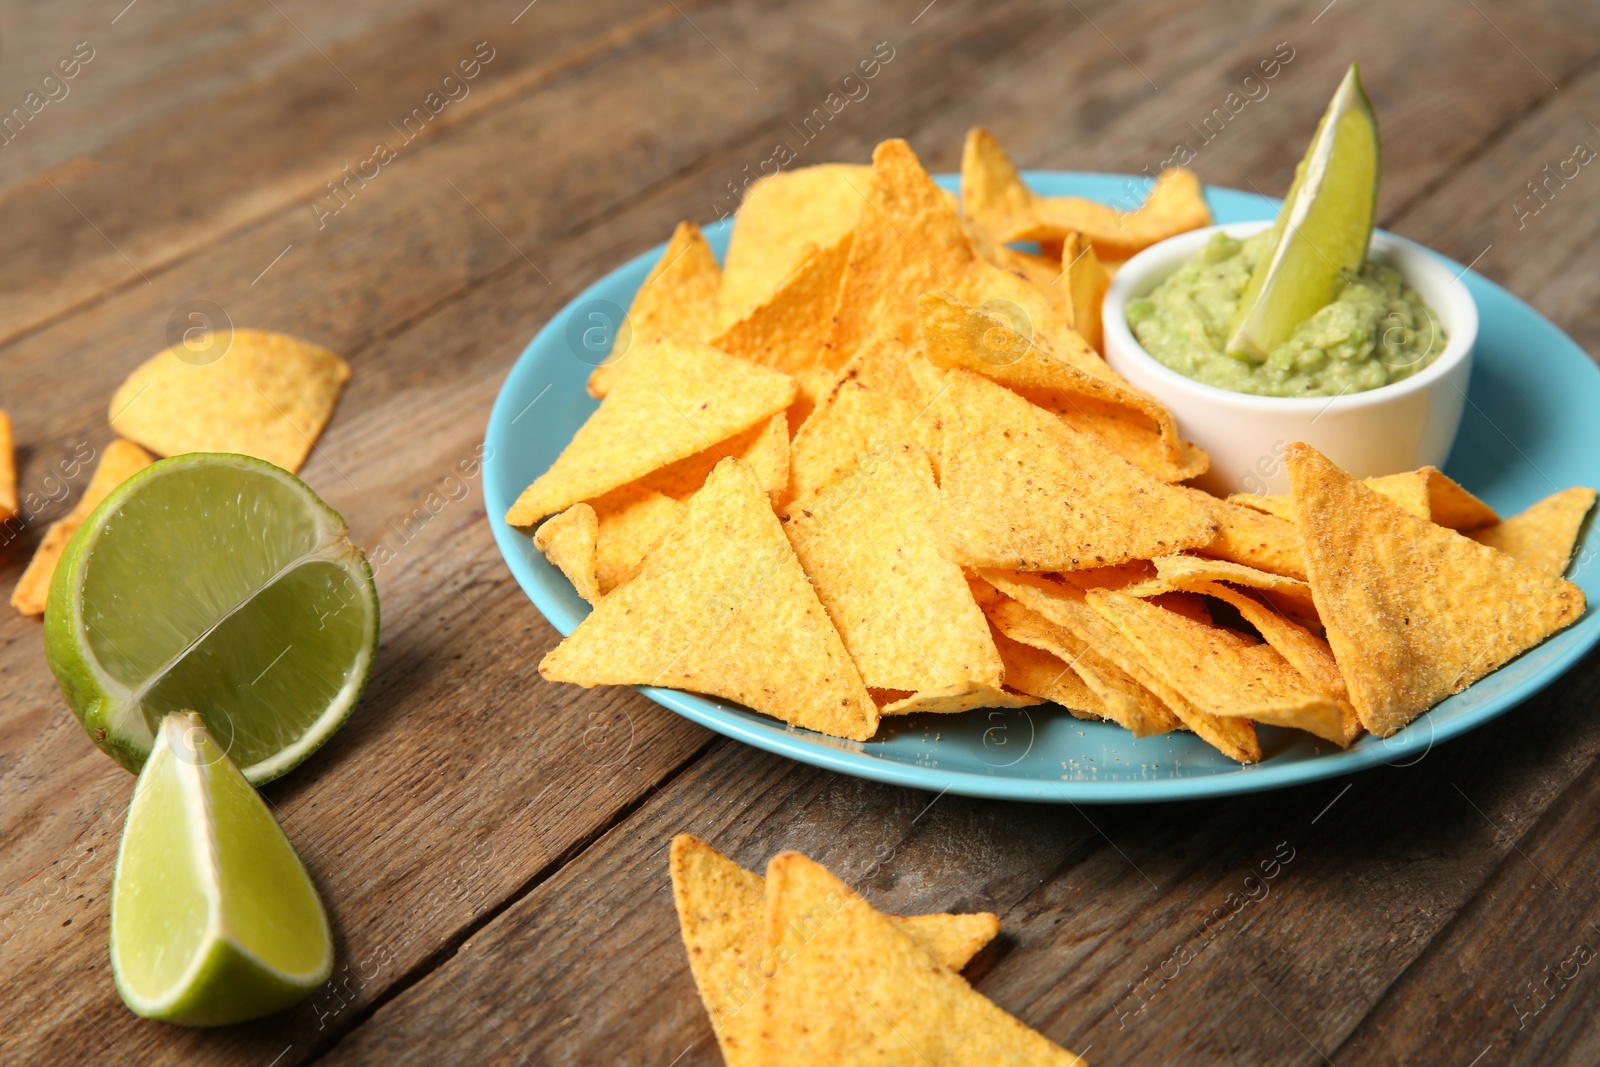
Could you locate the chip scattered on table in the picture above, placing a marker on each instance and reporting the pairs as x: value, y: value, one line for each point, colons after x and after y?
x: 853, y: 988
x: 267, y: 395
x: 721, y: 917
x: 8, y: 469
x: 120, y: 461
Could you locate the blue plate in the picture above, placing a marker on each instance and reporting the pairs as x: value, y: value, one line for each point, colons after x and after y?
x: 1530, y: 429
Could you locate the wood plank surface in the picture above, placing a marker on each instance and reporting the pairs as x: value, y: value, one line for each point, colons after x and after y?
x: 492, y: 847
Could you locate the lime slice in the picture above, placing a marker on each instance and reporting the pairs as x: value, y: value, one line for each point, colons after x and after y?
x: 218, y: 584
x: 1322, y: 230
x: 213, y: 918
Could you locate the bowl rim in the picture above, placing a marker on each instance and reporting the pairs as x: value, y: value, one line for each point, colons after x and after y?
x: 1460, y: 316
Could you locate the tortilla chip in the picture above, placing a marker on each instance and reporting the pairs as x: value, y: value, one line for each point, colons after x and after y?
x: 1305, y: 651
x: 850, y: 987
x: 1251, y: 537
x: 568, y: 540
x: 1414, y: 611
x: 1217, y: 674
x: 1087, y: 280
x: 1066, y: 605
x: 120, y: 461
x: 1545, y: 535
x: 1290, y: 594
x: 678, y: 299
x: 787, y: 332
x: 854, y: 426
x: 678, y: 398
x: 1118, y: 696
x: 764, y: 446
x: 1041, y: 674
x: 994, y: 196
x: 784, y: 218
x: 1277, y: 505
x: 269, y: 395
x: 721, y: 907
x: 870, y: 546
x: 8, y: 469
x: 908, y: 241
x: 723, y: 607
x: 912, y: 241
x: 1427, y: 493
x: 952, y: 699
x: 1125, y: 433
x: 633, y: 520
x: 1023, y: 491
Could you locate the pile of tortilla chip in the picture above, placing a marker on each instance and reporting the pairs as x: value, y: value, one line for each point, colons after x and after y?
x: 877, y: 466
x: 251, y: 392
x: 796, y: 968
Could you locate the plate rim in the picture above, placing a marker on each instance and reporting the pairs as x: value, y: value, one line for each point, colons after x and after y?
x: 853, y: 759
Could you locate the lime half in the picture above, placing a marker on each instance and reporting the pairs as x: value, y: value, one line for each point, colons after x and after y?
x: 213, y: 918
x: 1323, y: 229
x: 218, y: 584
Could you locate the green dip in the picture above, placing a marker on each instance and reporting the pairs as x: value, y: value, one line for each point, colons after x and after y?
x: 1376, y: 331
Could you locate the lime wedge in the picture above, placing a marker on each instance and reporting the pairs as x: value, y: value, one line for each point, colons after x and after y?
x: 219, y: 584
x: 1322, y: 230
x: 213, y: 918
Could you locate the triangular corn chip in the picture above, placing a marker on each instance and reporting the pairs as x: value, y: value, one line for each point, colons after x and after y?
x: 1116, y: 695
x: 1414, y: 611
x: 953, y: 699
x: 1427, y: 493
x: 678, y: 299
x: 1041, y: 674
x: 783, y: 219
x: 1125, y: 433
x: 870, y: 546
x: 1087, y: 280
x: 568, y: 540
x: 1022, y: 491
x: 850, y: 987
x: 911, y: 241
x: 853, y: 426
x: 679, y: 398
x: 721, y: 908
x: 955, y: 335
x: 1066, y: 605
x: 1251, y: 537
x: 1291, y: 594
x: 764, y: 446
x: 1216, y: 673
x: 8, y: 469
x: 995, y: 198
x: 1278, y: 505
x: 268, y: 395
x: 1543, y: 536
x: 722, y: 607
x: 787, y: 332
x: 633, y: 520
x: 1305, y: 651
x: 120, y: 461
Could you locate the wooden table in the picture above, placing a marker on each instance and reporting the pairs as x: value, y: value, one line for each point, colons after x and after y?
x: 493, y: 848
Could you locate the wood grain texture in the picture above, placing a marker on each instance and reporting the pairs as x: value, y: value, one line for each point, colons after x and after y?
x: 492, y: 848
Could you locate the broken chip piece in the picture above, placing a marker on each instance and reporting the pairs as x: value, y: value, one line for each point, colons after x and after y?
x: 267, y: 395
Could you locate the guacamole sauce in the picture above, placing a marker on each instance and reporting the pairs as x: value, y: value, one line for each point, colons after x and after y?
x: 1377, y: 330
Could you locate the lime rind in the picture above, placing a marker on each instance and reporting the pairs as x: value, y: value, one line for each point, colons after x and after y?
x: 1315, y: 242
x: 113, y: 713
x: 224, y: 980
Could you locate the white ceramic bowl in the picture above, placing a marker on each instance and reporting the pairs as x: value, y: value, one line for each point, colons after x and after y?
x: 1393, y: 428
